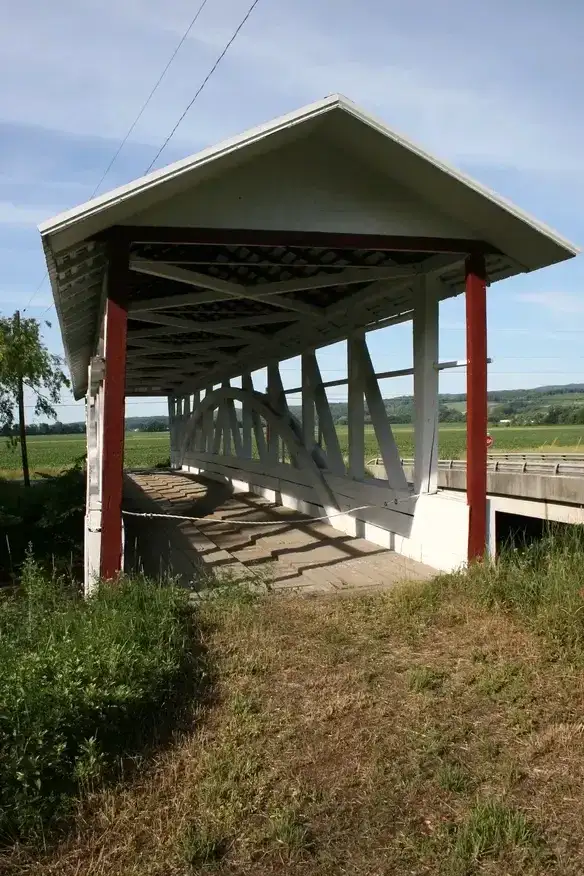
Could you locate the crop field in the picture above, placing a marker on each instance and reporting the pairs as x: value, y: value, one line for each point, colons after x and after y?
x: 49, y: 454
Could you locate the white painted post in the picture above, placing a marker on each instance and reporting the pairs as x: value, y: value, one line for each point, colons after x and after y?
x: 193, y: 443
x: 425, y: 338
x: 356, y: 409
x: 273, y: 443
x: 334, y: 456
x: 246, y: 418
x: 170, y: 400
x: 383, y: 432
x: 92, y: 528
x: 208, y: 426
x: 308, y: 418
x: 225, y: 422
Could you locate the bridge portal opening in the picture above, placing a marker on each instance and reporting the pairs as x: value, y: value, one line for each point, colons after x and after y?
x: 516, y: 531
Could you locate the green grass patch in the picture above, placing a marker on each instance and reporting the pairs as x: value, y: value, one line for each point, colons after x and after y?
x: 493, y: 830
x: 543, y: 584
x: 51, y: 454
x: 83, y: 685
x: 434, y: 727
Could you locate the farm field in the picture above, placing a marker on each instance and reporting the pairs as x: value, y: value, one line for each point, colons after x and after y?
x: 52, y: 453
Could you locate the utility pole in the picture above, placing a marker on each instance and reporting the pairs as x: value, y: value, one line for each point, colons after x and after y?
x: 21, y: 420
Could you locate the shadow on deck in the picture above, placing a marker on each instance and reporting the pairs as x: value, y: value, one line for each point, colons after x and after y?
x: 287, y: 552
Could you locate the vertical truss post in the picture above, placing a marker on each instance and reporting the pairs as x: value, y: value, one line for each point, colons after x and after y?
x: 425, y: 338
x: 246, y: 418
x: 225, y: 421
x: 355, y: 409
x: 334, y: 456
x: 383, y: 432
x: 273, y: 443
x: 308, y: 417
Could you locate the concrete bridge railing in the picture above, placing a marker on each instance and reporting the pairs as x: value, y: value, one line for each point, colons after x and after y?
x: 549, y: 481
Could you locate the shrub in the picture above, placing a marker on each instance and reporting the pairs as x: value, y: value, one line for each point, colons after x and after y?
x: 49, y: 516
x: 82, y: 684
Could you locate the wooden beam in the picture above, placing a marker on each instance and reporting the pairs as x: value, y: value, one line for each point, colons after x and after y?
x: 381, y: 425
x: 355, y: 408
x: 174, y: 300
x: 296, y: 239
x: 116, y: 316
x: 336, y: 463
x: 246, y: 417
x: 476, y: 405
x: 425, y: 354
x: 308, y: 410
x: 215, y: 327
x: 384, y: 289
x: 222, y: 288
x: 346, y: 277
x: 144, y: 346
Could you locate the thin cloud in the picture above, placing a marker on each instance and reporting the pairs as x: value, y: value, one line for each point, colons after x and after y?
x: 556, y: 302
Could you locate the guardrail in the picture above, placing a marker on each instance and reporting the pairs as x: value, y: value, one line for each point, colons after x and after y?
x: 565, y: 466
x: 555, y: 456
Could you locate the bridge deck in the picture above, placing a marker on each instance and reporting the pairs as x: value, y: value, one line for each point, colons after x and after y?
x: 312, y: 557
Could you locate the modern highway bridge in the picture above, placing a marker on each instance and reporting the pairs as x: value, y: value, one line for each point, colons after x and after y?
x: 540, y: 486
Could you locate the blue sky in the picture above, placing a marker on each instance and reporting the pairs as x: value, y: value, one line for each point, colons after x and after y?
x: 494, y: 88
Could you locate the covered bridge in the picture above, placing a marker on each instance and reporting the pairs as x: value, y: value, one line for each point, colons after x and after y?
x: 321, y: 226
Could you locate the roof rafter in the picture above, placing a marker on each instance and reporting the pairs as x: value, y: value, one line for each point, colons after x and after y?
x: 222, y: 288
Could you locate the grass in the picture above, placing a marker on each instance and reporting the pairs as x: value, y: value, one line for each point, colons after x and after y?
x: 51, y: 454
x: 436, y: 728
x: 84, y: 686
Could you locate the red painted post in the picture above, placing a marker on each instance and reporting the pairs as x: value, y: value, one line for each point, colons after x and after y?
x: 116, y: 323
x: 476, y: 404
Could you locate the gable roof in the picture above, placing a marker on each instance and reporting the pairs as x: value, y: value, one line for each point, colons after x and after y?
x: 527, y: 243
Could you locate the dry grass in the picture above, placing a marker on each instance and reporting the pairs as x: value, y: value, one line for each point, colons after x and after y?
x: 386, y: 734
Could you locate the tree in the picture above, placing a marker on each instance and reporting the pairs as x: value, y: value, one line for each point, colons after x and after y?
x: 27, y: 366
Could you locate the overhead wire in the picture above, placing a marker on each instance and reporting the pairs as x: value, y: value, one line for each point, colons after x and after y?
x: 130, y: 130
x: 203, y: 83
x: 151, y: 95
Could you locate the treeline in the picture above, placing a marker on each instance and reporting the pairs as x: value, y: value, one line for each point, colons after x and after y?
x: 399, y: 411
x: 524, y: 413
x: 56, y: 428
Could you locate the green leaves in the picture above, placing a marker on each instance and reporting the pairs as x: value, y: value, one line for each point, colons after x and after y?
x: 22, y: 352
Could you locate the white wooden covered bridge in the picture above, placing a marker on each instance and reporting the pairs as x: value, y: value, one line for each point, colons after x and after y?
x: 323, y: 225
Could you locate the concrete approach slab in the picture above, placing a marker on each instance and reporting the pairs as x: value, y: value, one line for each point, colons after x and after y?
x: 289, y: 552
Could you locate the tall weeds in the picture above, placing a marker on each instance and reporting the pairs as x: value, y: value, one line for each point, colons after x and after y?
x: 83, y: 684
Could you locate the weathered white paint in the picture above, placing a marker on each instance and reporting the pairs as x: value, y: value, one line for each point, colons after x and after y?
x: 381, y: 425
x: 94, y: 438
x: 436, y: 531
x: 425, y: 337
x: 355, y: 408
x: 325, y: 421
x: 431, y: 528
x: 316, y: 186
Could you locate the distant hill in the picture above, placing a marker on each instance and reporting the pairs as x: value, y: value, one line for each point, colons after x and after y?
x: 542, y: 404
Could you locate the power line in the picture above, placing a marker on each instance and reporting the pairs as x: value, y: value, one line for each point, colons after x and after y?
x: 129, y: 132
x: 35, y: 293
x: 204, y: 82
x: 151, y: 95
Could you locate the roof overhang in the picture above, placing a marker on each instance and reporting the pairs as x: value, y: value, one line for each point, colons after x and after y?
x: 76, y: 248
